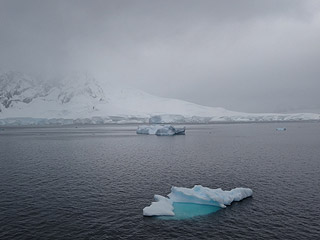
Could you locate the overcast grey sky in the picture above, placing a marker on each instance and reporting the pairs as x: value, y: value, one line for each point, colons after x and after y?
x: 244, y: 55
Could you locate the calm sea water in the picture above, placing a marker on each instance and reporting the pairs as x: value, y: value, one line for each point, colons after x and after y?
x: 93, y: 182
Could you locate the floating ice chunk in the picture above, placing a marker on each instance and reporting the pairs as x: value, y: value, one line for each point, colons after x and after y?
x: 196, y: 195
x: 160, y: 130
x: 145, y: 129
x: 169, y: 130
x: 166, y: 130
x: 180, y: 131
x: 161, y: 206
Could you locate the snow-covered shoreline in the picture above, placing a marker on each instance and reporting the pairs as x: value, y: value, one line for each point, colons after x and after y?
x: 81, y: 99
x: 131, y: 120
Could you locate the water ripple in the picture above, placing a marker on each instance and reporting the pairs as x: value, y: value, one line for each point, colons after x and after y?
x: 93, y: 182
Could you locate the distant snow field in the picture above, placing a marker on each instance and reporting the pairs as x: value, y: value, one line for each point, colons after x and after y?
x: 81, y: 99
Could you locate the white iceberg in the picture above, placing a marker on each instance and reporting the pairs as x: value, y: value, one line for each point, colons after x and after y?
x: 199, y: 195
x: 160, y: 130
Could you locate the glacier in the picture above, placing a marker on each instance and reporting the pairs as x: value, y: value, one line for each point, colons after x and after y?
x: 179, y: 198
x: 82, y: 99
x: 160, y: 130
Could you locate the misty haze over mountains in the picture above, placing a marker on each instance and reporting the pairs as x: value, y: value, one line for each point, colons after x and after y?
x: 247, y: 56
x: 80, y: 98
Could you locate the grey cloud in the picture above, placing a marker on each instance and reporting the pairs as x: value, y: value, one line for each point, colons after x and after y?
x: 248, y: 55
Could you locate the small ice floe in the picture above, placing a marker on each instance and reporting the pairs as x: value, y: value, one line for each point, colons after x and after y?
x: 189, y: 202
x: 160, y: 130
x: 281, y: 129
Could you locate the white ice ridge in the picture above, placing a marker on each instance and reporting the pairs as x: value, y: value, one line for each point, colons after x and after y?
x: 160, y: 130
x: 198, y: 194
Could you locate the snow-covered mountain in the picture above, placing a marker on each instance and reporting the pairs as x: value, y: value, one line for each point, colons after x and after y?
x: 80, y: 98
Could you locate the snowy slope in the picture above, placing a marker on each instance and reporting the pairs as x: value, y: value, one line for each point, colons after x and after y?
x: 81, y: 98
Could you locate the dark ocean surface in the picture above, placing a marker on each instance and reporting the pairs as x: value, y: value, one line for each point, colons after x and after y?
x: 92, y: 182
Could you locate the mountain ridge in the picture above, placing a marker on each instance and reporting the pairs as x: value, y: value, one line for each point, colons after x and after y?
x: 81, y: 97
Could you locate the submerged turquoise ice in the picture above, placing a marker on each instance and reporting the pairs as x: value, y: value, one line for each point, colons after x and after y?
x: 190, y: 210
x: 184, y: 203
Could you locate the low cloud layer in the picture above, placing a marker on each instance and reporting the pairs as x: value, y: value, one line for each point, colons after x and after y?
x: 253, y: 56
